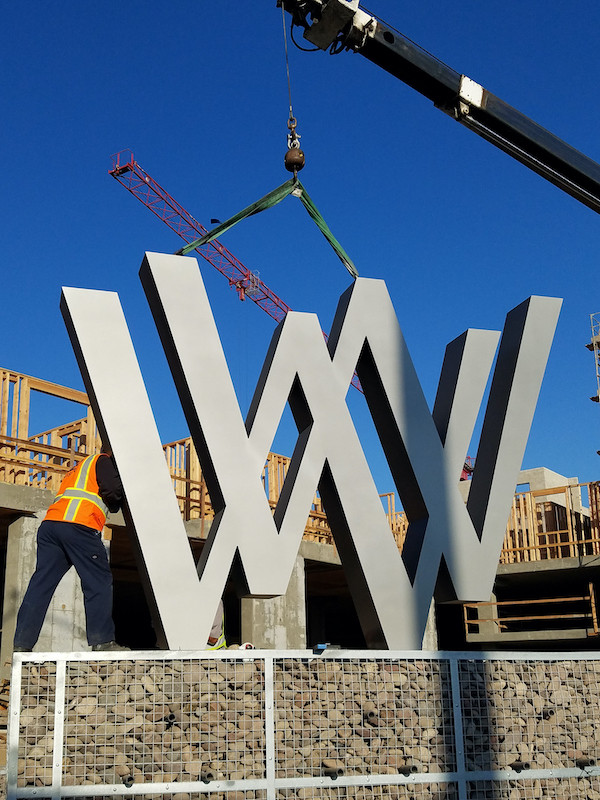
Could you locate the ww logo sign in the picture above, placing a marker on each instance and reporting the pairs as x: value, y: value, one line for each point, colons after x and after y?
x: 425, y: 450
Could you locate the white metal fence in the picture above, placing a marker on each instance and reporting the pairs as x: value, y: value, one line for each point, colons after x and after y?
x: 272, y: 725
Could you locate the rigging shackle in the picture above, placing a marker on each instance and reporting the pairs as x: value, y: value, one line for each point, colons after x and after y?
x: 294, y: 158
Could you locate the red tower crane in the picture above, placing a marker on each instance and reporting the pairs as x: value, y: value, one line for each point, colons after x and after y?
x: 141, y: 185
x: 128, y: 172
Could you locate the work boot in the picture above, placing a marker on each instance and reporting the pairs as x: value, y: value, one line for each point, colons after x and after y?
x: 17, y: 649
x: 107, y: 646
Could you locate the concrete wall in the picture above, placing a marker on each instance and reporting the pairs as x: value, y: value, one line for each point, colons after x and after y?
x: 278, y: 623
x: 64, y: 626
x: 543, y: 478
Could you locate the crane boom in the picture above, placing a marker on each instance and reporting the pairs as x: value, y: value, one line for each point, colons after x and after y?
x: 141, y: 185
x: 341, y: 24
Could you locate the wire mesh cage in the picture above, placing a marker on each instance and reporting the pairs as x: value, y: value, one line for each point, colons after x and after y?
x: 275, y: 725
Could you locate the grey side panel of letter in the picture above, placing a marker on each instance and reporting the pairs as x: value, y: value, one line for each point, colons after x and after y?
x: 522, y: 357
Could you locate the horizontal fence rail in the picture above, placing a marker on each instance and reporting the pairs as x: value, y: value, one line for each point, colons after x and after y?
x: 272, y: 725
x: 509, y: 615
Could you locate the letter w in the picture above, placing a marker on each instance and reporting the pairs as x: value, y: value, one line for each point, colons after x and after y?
x: 425, y: 460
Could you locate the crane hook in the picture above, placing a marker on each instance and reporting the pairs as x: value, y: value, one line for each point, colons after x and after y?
x: 294, y: 158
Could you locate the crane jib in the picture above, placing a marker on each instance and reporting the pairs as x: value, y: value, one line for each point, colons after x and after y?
x: 487, y: 115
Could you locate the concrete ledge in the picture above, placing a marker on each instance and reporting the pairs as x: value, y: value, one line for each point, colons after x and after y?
x: 548, y: 565
x: 24, y: 499
x: 318, y: 551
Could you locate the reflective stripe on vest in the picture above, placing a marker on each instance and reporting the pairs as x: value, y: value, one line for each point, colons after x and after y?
x: 75, y: 496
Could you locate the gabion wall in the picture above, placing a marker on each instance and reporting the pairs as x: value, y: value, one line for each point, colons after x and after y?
x: 262, y: 724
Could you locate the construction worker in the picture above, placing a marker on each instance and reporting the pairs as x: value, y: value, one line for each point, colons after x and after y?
x: 71, y: 535
x: 216, y: 640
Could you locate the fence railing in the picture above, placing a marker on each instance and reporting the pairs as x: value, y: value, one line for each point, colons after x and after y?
x: 513, y: 616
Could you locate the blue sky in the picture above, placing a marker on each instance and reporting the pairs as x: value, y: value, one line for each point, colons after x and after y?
x: 460, y: 232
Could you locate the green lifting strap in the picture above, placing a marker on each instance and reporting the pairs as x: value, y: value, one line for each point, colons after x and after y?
x: 268, y: 201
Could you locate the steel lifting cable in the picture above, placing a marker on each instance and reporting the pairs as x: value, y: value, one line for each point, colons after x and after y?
x: 294, y: 158
x: 287, y: 60
x: 294, y: 161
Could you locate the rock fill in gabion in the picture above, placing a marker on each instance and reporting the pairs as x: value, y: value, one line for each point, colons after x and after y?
x: 209, y: 720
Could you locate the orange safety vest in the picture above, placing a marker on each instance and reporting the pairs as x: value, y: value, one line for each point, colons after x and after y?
x: 78, y: 499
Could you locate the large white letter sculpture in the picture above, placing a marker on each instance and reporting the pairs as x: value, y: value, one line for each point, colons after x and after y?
x: 425, y: 451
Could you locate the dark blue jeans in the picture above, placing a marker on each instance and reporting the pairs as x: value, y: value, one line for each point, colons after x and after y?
x: 61, y: 545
